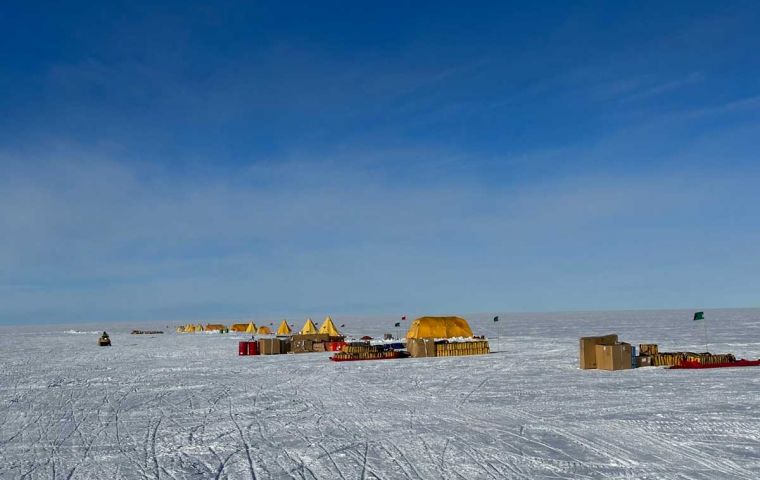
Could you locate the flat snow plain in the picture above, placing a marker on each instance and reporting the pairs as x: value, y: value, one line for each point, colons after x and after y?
x: 187, y: 407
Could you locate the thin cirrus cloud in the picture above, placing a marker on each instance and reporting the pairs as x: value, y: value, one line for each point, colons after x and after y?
x: 94, y: 237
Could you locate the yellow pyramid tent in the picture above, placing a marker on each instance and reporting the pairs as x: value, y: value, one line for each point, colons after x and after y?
x: 198, y: 328
x: 284, y: 328
x: 249, y: 327
x: 309, y: 328
x: 439, y: 327
x: 180, y: 329
x: 328, y: 327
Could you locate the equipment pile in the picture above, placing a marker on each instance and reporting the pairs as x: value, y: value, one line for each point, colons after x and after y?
x: 606, y: 353
x: 364, y: 351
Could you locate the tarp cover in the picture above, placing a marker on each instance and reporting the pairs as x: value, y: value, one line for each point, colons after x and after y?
x: 309, y: 328
x: 214, y: 326
x: 328, y: 327
x: 439, y: 327
x: 284, y: 328
x: 264, y: 330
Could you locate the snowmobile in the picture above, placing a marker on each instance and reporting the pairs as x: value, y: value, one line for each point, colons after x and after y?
x: 104, y: 340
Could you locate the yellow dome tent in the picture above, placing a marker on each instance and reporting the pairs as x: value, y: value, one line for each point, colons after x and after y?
x: 214, y: 326
x: 309, y: 328
x: 264, y: 330
x: 249, y: 327
x: 439, y: 327
x: 284, y: 328
x: 328, y: 327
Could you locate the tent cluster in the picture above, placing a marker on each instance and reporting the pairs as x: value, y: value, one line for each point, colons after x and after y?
x: 190, y: 328
x: 309, y: 328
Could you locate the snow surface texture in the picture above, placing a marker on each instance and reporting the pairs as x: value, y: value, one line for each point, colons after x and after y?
x: 186, y: 406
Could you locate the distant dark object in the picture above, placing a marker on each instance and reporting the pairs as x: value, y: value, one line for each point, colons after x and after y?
x: 104, y: 340
x: 342, y: 325
x: 146, y: 332
x: 366, y: 337
x: 388, y: 336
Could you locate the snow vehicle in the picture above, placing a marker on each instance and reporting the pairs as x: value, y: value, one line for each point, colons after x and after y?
x: 104, y: 340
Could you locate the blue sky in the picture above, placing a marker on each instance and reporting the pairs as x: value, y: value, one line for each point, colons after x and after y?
x: 226, y: 160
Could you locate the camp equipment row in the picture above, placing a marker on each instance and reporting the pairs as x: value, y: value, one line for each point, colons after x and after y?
x: 673, y: 359
x: 364, y: 351
x: 445, y: 349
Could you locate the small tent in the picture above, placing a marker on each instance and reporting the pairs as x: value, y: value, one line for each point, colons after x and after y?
x: 439, y: 327
x: 198, y: 328
x: 215, y: 327
x: 309, y: 328
x: 284, y: 328
x: 180, y: 329
x: 264, y: 330
x: 328, y: 327
x: 249, y: 327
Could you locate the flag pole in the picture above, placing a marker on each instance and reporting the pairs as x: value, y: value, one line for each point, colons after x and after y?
x: 707, y: 348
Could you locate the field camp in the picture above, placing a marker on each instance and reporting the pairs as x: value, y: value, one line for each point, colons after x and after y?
x: 449, y: 396
x: 380, y: 240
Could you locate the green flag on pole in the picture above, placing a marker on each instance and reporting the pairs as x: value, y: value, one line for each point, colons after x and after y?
x: 398, y: 324
x: 699, y: 316
x: 496, y: 318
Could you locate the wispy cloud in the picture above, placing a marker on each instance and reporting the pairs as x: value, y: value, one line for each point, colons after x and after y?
x: 87, y: 236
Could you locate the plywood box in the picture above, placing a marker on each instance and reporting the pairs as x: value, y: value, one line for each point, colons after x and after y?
x: 588, y: 349
x: 648, y: 349
x: 614, y: 357
x: 270, y: 346
x: 421, y: 347
x: 644, y: 361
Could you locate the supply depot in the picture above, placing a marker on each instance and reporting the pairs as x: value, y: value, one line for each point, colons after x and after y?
x: 426, y: 337
x: 605, y: 352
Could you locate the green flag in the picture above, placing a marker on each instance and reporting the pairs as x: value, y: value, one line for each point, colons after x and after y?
x: 496, y: 318
x: 398, y: 324
x: 699, y: 316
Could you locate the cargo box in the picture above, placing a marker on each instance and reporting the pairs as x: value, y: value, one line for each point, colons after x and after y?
x: 270, y: 346
x: 648, y: 349
x: 421, y: 347
x: 613, y: 357
x: 316, y: 337
x: 588, y: 349
x: 301, y: 346
x: 644, y: 361
x: 318, y: 347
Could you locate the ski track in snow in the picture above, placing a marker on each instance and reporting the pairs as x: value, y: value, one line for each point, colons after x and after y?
x: 187, y: 407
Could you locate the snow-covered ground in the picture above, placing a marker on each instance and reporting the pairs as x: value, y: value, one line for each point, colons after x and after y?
x: 186, y: 406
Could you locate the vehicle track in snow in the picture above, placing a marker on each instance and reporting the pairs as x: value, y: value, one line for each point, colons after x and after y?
x: 187, y: 407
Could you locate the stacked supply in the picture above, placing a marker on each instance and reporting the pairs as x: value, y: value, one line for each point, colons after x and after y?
x: 364, y: 351
x: 674, y: 359
x: 588, y: 349
x: 456, y: 349
x: 429, y: 347
x: 614, y: 357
